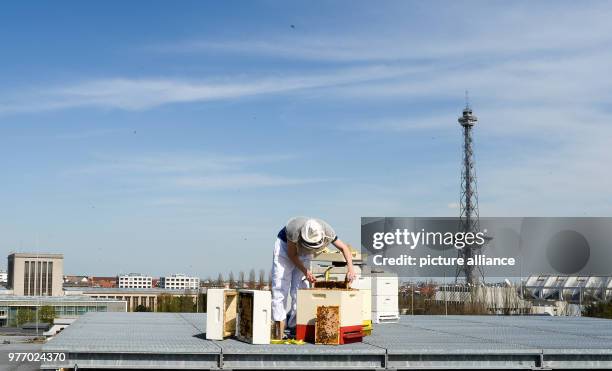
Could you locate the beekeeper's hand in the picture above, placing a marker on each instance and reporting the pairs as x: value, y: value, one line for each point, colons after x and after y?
x: 310, y: 277
x: 350, y: 274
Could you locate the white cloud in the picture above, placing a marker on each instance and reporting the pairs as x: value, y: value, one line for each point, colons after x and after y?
x: 188, y: 171
x: 140, y: 94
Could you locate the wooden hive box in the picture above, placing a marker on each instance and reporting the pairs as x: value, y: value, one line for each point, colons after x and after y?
x: 221, y: 306
x: 254, y: 316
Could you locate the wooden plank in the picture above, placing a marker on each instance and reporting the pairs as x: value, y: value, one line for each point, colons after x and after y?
x: 229, y: 314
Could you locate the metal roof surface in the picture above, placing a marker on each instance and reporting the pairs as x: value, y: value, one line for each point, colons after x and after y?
x: 184, y: 332
x: 135, y: 333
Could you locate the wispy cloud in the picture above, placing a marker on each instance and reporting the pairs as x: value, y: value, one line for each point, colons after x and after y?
x: 140, y: 94
x: 189, y: 172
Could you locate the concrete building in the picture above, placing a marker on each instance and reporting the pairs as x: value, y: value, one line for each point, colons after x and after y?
x: 179, y: 282
x: 35, y: 274
x: 3, y: 278
x: 64, y: 306
x: 147, y: 297
x: 135, y: 281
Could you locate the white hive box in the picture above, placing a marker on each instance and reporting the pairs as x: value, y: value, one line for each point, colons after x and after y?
x: 385, y: 291
x: 254, y: 316
x: 385, y: 303
x: 350, y: 303
x: 385, y: 285
x: 220, y: 313
x: 364, y: 284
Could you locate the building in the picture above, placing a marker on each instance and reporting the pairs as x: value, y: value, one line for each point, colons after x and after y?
x: 573, y: 289
x: 12, y: 306
x: 179, y: 282
x: 35, y: 274
x: 135, y: 281
x: 146, y: 297
x: 3, y: 278
x: 76, y: 281
x: 106, y: 282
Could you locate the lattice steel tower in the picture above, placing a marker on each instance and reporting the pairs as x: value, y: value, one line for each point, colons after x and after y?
x: 469, y: 218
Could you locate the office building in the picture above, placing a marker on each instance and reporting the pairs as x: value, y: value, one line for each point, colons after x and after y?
x: 135, y: 281
x: 35, y: 274
x: 13, y: 307
x: 179, y: 282
x: 145, y: 297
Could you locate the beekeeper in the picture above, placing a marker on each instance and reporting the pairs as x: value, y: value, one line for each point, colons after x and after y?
x: 295, y: 245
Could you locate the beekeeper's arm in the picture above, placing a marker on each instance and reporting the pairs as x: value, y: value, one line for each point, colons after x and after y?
x: 346, y: 251
x: 293, y: 256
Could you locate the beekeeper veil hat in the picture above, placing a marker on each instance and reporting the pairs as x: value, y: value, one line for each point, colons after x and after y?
x: 312, y: 234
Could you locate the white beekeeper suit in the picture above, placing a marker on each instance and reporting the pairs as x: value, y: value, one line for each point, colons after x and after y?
x: 311, y: 236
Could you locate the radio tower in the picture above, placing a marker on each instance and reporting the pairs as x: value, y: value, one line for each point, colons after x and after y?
x: 468, y: 218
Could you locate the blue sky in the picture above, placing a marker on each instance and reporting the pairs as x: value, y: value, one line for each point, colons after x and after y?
x: 162, y: 138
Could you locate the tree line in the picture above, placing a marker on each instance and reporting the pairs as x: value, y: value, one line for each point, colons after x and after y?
x: 255, y: 281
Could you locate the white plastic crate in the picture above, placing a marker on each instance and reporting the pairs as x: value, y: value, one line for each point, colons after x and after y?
x: 221, y: 313
x: 254, y: 316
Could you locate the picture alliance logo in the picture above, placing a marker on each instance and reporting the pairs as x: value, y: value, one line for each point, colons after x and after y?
x: 412, y: 240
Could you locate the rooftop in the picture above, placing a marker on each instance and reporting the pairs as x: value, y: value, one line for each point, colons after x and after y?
x: 36, y: 255
x: 173, y: 340
x: 115, y: 290
x: 51, y: 299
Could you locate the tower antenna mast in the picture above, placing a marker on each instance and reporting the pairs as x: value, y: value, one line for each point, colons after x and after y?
x: 469, y: 215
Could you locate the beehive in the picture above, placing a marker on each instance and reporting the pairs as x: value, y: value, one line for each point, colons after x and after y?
x: 385, y: 290
x: 253, y: 316
x: 349, y: 302
x: 221, y: 313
